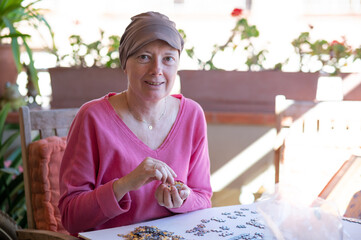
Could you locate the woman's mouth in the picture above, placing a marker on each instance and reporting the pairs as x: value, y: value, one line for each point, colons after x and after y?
x: 154, y: 83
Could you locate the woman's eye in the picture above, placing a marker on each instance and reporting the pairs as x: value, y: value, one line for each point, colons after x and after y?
x: 169, y: 59
x: 143, y: 58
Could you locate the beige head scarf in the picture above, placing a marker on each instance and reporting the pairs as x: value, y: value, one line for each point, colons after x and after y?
x: 145, y: 28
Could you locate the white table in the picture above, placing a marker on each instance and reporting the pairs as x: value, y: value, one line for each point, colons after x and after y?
x: 179, y: 224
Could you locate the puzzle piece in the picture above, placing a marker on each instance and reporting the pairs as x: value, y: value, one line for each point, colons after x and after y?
x: 177, y: 184
x: 150, y: 232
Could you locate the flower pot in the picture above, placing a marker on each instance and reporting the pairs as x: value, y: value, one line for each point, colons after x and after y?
x: 252, y: 92
x: 329, y: 88
x: 72, y: 87
x: 8, y: 71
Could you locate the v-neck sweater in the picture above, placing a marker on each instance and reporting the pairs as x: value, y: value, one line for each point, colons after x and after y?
x: 101, y: 149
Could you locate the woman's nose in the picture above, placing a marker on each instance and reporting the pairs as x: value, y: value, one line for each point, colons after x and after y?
x: 156, y: 67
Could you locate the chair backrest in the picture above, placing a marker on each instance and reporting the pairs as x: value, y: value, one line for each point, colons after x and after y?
x: 46, y: 123
x: 315, y: 138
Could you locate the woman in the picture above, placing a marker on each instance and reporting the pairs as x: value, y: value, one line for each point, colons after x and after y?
x: 126, y: 150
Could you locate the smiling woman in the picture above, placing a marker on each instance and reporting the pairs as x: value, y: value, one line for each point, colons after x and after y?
x: 129, y: 149
x: 152, y: 71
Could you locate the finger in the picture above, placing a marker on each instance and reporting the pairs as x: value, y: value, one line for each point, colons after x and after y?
x: 171, y: 171
x: 183, y: 194
x: 177, y: 201
x: 170, y: 178
x: 158, y: 175
x: 159, y: 163
x: 164, y: 173
x: 167, y: 198
x: 159, y: 194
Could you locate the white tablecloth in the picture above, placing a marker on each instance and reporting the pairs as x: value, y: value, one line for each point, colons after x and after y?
x: 233, y: 215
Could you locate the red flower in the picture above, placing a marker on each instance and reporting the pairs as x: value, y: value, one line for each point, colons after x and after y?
x: 236, y: 12
x: 335, y: 42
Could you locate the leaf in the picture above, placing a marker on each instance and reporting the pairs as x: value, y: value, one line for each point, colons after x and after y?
x: 5, y: 146
x: 10, y: 171
x: 18, y: 203
x: 3, y: 115
x: 15, y: 157
x: 17, y: 184
x: 190, y: 52
x: 14, y: 43
x: 12, y: 35
x: 33, y: 72
x: 8, y: 6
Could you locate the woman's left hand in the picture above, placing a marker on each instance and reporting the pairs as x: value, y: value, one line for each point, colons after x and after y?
x: 171, y: 197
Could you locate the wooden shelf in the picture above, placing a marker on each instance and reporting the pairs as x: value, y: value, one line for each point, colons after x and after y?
x: 266, y: 119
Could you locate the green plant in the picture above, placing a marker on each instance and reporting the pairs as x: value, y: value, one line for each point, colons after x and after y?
x: 313, y: 56
x: 12, y: 195
x: 330, y: 56
x: 12, y: 96
x: 100, y: 53
x: 16, y: 13
x: 242, y: 36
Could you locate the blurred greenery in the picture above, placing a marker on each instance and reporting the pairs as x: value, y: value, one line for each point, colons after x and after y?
x: 320, y: 55
x: 100, y: 53
x: 13, y: 15
x: 331, y: 56
x: 242, y: 36
x: 12, y: 195
x: 12, y: 96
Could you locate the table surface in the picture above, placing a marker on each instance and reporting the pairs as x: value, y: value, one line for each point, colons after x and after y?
x: 183, y: 224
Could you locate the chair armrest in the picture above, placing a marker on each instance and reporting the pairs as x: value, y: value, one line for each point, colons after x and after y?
x: 35, y: 234
x: 280, y: 138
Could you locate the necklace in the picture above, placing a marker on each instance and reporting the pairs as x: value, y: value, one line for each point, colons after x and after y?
x: 150, y: 125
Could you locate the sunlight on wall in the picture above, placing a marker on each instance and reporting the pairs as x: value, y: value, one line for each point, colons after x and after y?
x: 243, y: 161
x: 350, y: 82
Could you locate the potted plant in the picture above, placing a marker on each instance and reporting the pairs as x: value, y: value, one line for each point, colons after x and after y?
x: 328, y: 58
x: 324, y: 56
x: 252, y: 91
x: 94, y: 65
x: 242, y: 38
x: 12, y: 196
x: 13, y: 14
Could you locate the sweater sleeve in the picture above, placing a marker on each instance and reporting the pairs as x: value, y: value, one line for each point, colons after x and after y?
x: 198, y: 179
x: 85, y: 203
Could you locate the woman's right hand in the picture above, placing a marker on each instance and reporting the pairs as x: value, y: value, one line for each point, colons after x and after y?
x: 148, y: 170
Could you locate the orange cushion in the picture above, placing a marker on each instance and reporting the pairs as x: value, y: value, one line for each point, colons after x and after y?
x: 45, y: 156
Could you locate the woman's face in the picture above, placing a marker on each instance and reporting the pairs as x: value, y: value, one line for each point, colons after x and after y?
x: 152, y: 71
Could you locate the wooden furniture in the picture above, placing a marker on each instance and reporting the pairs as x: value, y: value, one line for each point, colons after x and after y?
x: 344, y: 184
x: 314, y: 139
x: 286, y: 111
x: 46, y: 123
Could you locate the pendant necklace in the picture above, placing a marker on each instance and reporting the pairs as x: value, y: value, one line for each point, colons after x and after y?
x: 150, y: 125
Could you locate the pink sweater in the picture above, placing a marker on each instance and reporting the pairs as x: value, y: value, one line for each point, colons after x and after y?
x: 101, y: 149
